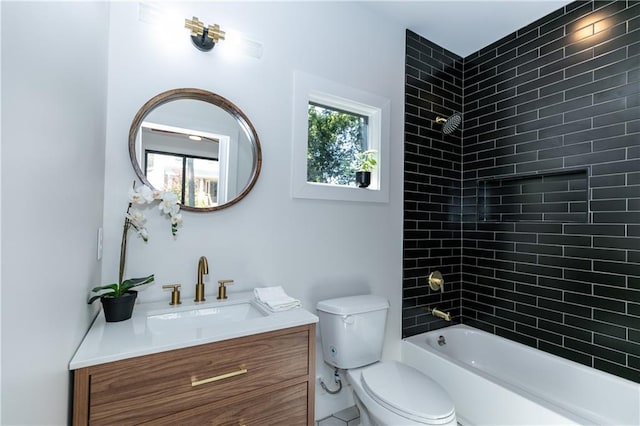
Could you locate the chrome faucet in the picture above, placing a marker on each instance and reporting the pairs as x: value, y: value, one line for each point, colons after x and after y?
x: 203, y: 269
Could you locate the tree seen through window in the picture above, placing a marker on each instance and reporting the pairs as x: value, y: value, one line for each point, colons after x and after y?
x: 335, y: 137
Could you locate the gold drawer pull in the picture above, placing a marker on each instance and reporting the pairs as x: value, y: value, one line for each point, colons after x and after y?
x: 220, y: 377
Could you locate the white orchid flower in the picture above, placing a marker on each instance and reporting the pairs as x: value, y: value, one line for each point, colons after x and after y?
x: 144, y: 234
x: 169, y: 199
x: 176, y: 219
x: 156, y: 194
x: 137, y: 218
x: 146, y: 193
x: 135, y: 197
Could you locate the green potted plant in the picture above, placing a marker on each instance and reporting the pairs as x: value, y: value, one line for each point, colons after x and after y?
x: 365, y: 162
x: 119, y: 298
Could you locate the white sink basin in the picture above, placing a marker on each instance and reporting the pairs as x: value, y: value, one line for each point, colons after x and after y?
x: 201, y: 317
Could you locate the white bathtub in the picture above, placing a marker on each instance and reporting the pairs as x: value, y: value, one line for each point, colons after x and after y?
x: 495, y: 381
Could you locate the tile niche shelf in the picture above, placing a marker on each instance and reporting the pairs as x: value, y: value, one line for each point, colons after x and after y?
x: 559, y: 196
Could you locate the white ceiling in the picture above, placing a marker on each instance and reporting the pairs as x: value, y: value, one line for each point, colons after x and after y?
x: 464, y: 27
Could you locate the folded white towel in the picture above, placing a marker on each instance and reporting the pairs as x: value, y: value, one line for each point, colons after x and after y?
x: 275, y: 299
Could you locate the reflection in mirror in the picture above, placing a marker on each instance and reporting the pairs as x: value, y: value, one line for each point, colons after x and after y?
x: 198, y: 145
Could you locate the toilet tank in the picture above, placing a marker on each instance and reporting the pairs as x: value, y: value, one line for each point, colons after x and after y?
x: 352, y: 330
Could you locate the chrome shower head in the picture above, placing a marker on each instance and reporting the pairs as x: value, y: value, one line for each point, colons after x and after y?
x: 450, y: 124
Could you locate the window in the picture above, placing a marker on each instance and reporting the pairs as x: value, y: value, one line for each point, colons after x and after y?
x: 334, y: 138
x: 332, y: 124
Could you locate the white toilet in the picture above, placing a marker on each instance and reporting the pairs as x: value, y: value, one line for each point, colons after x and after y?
x: 386, y: 393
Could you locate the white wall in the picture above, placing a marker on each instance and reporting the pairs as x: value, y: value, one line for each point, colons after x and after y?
x: 54, y: 58
x: 314, y: 249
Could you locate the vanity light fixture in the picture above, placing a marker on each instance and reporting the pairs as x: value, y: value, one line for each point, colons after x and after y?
x: 203, y: 38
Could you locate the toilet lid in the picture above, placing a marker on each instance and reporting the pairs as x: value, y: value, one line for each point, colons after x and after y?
x: 407, y: 392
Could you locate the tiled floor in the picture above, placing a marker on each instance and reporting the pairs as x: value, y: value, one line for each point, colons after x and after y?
x: 347, y: 417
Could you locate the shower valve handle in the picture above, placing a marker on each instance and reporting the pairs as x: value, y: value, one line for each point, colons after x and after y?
x: 436, y: 281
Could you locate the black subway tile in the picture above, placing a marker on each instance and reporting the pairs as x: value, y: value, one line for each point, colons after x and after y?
x: 617, y: 243
x: 615, y: 142
x: 597, y: 63
x: 616, y: 217
x: 595, y: 302
x: 616, y: 68
x: 549, y: 164
x: 539, y: 334
x: 566, y: 285
x: 617, y: 318
x: 566, y: 128
x: 518, y: 337
x: 516, y: 297
x: 569, y: 240
x: 618, y: 370
x: 540, y: 228
x: 594, y: 277
x: 572, y: 65
x: 595, y: 229
x: 575, y: 86
x: 616, y: 167
x: 621, y: 294
x: 576, y: 333
x: 595, y: 326
x: 595, y: 350
x: 591, y: 253
x: 566, y: 106
x: 565, y: 307
x: 596, y: 133
x: 539, y: 291
x: 594, y: 110
x: 617, y: 268
x: 588, y: 86
x: 538, y: 270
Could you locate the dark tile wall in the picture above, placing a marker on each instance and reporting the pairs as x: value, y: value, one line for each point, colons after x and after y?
x: 432, y: 185
x: 557, y: 100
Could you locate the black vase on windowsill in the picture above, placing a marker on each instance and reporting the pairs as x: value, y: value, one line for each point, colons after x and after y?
x: 363, y: 179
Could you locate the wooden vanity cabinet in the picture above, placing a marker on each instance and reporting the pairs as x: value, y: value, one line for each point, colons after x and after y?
x: 263, y: 379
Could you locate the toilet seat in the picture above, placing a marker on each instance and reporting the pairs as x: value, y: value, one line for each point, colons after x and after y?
x: 407, y: 392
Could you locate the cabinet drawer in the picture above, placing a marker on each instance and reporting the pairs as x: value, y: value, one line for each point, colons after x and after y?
x: 154, y: 386
x: 283, y: 407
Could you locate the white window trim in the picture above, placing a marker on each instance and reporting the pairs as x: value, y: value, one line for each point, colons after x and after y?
x: 309, y: 88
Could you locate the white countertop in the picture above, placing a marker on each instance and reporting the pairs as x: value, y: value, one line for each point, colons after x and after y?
x: 114, y: 341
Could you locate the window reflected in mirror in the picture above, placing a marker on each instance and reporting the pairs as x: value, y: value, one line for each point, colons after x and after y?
x: 191, y: 164
x: 193, y: 180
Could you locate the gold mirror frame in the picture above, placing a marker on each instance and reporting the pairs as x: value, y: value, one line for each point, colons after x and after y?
x: 211, y: 98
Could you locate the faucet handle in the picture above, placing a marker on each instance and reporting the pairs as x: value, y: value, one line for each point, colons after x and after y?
x: 436, y: 281
x: 222, y: 290
x: 175, y: 294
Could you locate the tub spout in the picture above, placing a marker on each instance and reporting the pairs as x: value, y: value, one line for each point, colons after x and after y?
x: 439, y: 314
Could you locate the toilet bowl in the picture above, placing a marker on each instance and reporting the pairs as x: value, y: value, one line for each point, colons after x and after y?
x: 392, y: 393
x: 387, y: 393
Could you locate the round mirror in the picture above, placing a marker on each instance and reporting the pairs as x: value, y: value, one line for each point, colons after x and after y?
x: 198, y: 145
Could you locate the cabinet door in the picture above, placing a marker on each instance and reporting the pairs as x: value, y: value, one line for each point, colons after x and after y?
x: 141, y: 389
x: 286, y: 406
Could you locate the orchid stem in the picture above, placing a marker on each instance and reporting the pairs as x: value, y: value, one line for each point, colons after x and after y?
x: 123, y: 247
